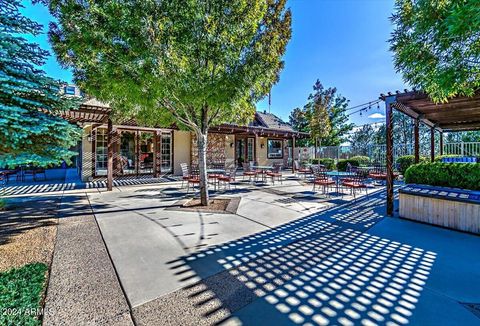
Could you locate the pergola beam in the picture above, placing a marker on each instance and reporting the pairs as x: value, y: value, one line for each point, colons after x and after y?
x: 389, y: 130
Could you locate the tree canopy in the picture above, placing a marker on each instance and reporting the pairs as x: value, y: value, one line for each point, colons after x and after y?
x: 324, y: 116
x: 30, y: 131
x: 197, y: 63
x: 436, y: 46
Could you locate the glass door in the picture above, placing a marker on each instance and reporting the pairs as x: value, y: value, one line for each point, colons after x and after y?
x: 166, y: 152
x: 146, y: 152
x: 128, y: 155
x: 101, y: 155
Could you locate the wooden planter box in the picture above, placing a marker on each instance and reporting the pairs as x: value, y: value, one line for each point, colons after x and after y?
x: 456, y: 209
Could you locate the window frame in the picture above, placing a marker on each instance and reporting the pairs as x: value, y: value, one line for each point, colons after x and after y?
x: 269, y: 155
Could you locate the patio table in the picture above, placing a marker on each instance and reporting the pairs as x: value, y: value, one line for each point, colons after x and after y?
x: 337, y: 175
x: 263, y: 169
x: 215, y: 171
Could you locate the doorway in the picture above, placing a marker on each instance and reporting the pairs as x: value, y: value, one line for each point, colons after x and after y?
x: 244, y: 149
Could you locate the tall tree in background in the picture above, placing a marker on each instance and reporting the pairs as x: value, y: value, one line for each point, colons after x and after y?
x: 299, y: 120
x: 29, y: 100
x: 317, y: 110
x: 436, y: 46
x: 361, y: 139
x: 330, y: 107
x: 196, y: 63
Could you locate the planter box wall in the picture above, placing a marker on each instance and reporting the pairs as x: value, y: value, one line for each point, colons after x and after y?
x: 451, y: 208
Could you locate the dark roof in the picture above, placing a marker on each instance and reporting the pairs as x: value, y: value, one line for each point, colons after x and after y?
x: 271, y: 121
x: 460, y: 113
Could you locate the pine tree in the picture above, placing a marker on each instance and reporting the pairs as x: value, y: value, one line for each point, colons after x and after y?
x: 30, y: 129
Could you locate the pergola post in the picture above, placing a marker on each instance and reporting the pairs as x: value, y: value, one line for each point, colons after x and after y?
x: 416, y: 133
x: 441, y: 143
x: 432, y: 144
x: 389, y: 131
x: 110, y: 155
x: 293, y: 154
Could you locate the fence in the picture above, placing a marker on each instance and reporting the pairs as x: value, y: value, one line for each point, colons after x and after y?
x: 378, y: 152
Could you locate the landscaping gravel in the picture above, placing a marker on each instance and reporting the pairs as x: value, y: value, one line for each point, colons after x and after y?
x: 27, y: 231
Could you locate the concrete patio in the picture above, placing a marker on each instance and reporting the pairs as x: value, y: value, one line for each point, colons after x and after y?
x: 287, y: 256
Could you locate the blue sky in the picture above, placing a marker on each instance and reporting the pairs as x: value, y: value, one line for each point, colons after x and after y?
x: 341, y: 42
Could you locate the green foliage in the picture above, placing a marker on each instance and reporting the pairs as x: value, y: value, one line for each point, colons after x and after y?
x: 362, y: 138
x: 463, y: 136
x: 30, y: 131
x: 354, y: 161
x: 362, y: 160
x: 329, y: 163
x: 193, y: 63
x: 21, y: 291
x: 455, y: 175
x: 436, y: 46
x: 323, y: 116
x: 404, y: 162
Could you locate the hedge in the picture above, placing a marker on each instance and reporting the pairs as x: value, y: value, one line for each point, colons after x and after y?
x: 362, y: 160
x: 329, y: 163
x: 455, y: 175
x: 404, y: 162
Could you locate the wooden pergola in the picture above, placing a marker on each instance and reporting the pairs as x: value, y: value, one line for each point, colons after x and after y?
x: 458, y: 114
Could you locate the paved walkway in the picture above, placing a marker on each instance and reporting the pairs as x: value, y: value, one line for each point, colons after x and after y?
x: 287, y: 257
x: 83, y: 288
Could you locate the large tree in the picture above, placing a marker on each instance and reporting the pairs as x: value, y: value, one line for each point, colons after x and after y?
x: 197, y: 63
x: 324, y: 116
x: 30, y: 130
x: 436, y: 45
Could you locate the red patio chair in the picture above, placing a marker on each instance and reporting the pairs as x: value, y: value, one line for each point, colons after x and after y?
x: 301, y: 170
x: 355, y: 183
x: 228, y: 178
x: 322, y: 179
x: 275, y: 173
x: 249, y: 172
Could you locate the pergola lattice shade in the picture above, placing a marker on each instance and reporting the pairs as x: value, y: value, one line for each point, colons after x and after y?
x: 458, y: 114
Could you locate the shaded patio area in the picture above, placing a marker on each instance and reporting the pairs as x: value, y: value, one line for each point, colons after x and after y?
x: 286, y: 257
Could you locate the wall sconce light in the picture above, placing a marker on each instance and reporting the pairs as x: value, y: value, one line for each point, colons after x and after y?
x: 262, y: 145
x: 231, y: 145
x: 89, y: 138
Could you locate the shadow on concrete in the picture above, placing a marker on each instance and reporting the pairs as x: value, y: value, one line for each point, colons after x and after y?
x: 321, y: 269
x: 23, y: 214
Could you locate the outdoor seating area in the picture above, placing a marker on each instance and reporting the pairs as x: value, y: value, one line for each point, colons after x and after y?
x: 22, y: 173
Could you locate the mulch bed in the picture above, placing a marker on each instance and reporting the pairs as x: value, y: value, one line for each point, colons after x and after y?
x: 215, y: 205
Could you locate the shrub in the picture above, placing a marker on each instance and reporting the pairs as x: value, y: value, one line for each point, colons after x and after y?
x: 21, y: 291
x: 404, y: 162
x: 455, y: 175
x: 362, y: 160
x: 329, y: 163
x: 342, y: 164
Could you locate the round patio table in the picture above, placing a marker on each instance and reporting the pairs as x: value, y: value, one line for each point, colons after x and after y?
x: 337, y: 175
x: 263, y: 169
x: 215, y: 171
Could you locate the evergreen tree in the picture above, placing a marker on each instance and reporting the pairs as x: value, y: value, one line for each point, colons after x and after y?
x: 325, y: 111
x: 30, y: 129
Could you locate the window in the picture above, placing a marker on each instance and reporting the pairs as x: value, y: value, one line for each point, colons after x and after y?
x: 70, y: 90
x: 101, y: 152
x: 274, y: 148
x: 166, y: 152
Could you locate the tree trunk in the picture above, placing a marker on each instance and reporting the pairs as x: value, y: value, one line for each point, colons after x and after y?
x: 202, y: 166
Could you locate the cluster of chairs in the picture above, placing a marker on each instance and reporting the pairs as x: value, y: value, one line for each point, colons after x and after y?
x: 356, y: 180
x: 253, y: 173
x: 22, y: 173
x: 220, y: 175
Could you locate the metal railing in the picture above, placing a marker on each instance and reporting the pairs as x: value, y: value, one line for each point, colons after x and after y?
x: 378, y: 152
